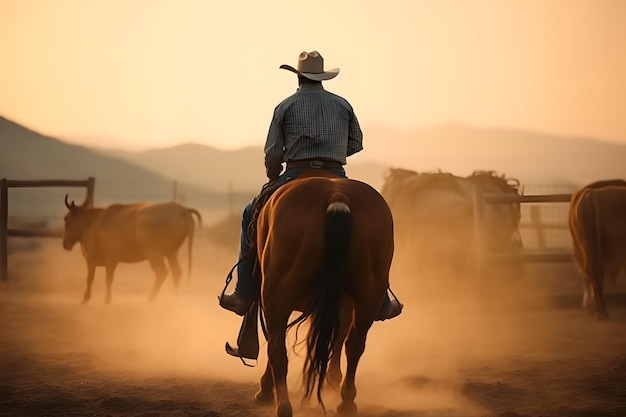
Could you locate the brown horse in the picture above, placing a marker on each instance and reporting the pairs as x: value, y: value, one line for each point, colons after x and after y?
x: 325, y: 246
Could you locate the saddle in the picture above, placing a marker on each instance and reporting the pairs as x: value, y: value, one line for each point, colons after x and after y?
x: 259, y: 202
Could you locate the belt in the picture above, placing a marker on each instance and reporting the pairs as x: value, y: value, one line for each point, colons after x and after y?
x: 313, y: 163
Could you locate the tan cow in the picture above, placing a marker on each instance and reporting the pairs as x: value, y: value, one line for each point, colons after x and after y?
x: 126, y: 233
x: 597, y: 223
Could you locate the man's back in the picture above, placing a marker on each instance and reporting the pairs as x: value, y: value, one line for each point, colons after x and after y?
x: 315, y: 124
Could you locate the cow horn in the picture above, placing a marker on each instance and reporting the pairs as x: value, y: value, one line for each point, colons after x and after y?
x: 68, y: 205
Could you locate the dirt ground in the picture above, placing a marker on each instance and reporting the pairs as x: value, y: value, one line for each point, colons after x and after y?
x: 513, y: 349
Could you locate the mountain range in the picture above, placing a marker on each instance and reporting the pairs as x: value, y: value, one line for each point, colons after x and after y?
x: 29, y: 155
x: 535, y: 159
x: 212, y: 178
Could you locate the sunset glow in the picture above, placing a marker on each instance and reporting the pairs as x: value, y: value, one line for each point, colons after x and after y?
x: 152, y: 73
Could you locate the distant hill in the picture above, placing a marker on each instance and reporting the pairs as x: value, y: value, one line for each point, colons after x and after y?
x: 28, y: 155
x: 203, y: 166
x: 220, y: 171
x: 534, y: 158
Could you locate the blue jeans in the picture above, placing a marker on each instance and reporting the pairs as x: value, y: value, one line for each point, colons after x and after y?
x: 247, y: 287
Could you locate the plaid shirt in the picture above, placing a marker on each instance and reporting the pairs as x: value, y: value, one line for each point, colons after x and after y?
x: 311, y: 124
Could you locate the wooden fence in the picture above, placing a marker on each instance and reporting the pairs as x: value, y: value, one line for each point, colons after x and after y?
x: 540, y: 228
x: 5, y: 232
x: 484, y: 257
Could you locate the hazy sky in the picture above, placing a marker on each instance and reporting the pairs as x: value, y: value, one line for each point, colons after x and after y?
x: 151, y: 73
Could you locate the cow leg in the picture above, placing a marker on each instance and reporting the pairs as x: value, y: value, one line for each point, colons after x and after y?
x: 597, y: 282
x: 172, y: 260
x: 91, y: 273
x: 160, y: 271
x: 110, y: 270
x: 613, y: 271
x: 588, y: 303
x: 598, y: 293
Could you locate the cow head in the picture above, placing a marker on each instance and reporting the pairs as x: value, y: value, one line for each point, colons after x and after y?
x: 76, y: 221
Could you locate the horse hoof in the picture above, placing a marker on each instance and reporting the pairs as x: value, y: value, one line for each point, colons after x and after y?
x: 347, y: 408
x: 284, y: 410
x: 264, y: 398
x: 602, y: 316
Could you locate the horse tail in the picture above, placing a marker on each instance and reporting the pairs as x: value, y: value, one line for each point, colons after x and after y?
x: 325, y: 312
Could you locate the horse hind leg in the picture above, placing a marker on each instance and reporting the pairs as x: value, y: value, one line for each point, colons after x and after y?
x: 588, y: 300
x: 355, y: 346
x: 598, y: 294
x: 333, y: 377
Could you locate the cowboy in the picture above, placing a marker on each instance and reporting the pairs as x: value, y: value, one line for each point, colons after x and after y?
x: 312, y: 128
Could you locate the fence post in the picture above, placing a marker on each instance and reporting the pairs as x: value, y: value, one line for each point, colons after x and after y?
x: 91, y: 187
x: 175, y: 191
x: 230, y: 199
x: 4, y: 228
x: 478, y: 204
x: 537, y: 225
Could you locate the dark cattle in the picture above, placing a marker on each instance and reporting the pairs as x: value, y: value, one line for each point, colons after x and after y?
x: 501, y: 220
x: 125, y: 233
x: 597, y: 223
x: 434, y: 217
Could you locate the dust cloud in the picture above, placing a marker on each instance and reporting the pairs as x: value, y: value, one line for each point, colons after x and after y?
x: 458, y: 346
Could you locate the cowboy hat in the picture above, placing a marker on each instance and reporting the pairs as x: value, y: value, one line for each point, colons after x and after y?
x: 311, y: 66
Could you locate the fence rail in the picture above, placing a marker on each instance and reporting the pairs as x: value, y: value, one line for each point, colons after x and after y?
x: 533, y: 256
x: 480, y: 200
x: 483, y: 256
x: 34, y: 233
x: 5, y: 232
x: 538, y: 198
